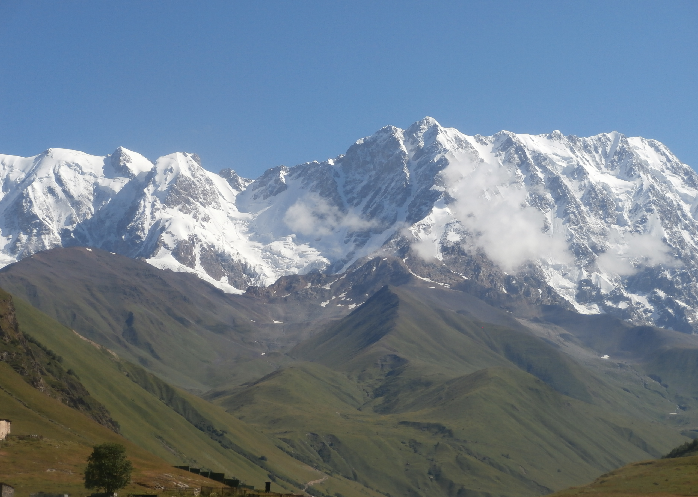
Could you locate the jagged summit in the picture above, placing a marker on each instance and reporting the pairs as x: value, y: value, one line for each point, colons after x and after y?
x: 129, y: 163
x: 605, y: 223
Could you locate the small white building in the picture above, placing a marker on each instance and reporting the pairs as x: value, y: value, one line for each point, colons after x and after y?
x: 4, y: 428
x: 5, y: 489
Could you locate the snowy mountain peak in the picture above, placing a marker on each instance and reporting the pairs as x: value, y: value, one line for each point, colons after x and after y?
x: 421, y: 126
x: 423, y: 133
x: 556, y: 135
x: 236, y: 182
x: 605, y: 223
x: 128, y: 163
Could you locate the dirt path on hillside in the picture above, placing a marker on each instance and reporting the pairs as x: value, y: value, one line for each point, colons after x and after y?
x: 311, y: 483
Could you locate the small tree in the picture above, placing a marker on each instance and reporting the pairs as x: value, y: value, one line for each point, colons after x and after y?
x: 108, y: 468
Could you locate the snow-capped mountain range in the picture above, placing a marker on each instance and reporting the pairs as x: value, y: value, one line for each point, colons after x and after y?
x: 601, y: 224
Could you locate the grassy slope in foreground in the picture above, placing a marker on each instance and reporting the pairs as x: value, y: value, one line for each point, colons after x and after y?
x: 149, y: 422
x: 662, y: 477
x: 56, y: 461
x: 41, y: 368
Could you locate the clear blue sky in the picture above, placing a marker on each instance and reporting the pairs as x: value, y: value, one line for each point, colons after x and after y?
x: 254, y: 84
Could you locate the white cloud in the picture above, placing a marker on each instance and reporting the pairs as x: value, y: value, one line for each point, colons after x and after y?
x: 627, y: 251
x: 491, y: 204
x: 425, y: 248
x: 313, y: 215
x: 612, y: 263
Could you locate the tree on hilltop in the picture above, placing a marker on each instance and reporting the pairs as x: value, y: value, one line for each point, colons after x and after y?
x: 108, y: 468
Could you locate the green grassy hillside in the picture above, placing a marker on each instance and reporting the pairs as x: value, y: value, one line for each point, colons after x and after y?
x: 50, y: 442
x: 396, y: 328
x: 652, y: 370
x: 421, y: 400
x: 419, y: 391
x: 662, y: 477
x: 42, y: 368
x: 172, y: 424
x: 497, y: 430
x: 173, y: 324
x: 674, y: 474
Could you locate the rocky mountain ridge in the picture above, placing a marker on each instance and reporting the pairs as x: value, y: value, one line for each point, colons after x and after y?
x: 599, y: 224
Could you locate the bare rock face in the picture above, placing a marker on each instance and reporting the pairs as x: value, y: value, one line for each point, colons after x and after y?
x: 236, y: 182
x: 604, y: 224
